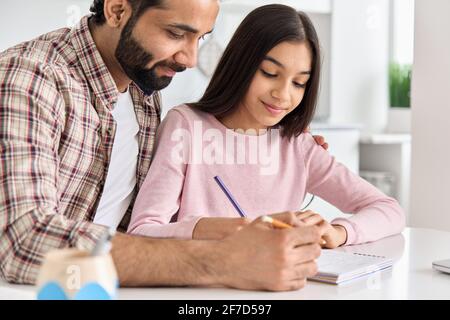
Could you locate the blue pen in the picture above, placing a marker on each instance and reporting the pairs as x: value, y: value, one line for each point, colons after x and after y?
x: 230, y: 197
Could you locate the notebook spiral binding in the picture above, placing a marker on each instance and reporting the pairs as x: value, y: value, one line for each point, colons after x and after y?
x: 369, y: 255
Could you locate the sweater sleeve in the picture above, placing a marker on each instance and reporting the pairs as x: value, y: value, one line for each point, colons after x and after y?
x: 375, y: 215
x: 159, y: 197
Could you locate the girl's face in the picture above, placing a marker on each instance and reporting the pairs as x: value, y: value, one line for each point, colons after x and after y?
x: 277, y: 88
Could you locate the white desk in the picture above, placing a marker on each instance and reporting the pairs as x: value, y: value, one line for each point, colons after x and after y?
x: 411, y: 277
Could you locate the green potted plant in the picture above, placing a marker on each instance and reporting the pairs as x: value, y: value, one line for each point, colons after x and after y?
x: 400, y: 98
x: 400, y: 85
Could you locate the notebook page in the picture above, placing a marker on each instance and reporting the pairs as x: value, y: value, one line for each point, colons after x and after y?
x: 340, y: 263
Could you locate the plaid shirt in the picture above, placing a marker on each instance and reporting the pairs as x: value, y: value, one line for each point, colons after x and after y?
x: 56, y: 138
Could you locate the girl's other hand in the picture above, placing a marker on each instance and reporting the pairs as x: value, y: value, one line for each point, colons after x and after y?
x: 333, y: 235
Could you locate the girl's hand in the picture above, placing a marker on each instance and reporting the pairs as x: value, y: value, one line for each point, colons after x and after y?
x: 217, y: 228
x: 333, y: 235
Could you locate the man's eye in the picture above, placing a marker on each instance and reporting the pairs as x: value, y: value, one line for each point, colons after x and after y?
x: 174, y: 35
x: 267, y: 74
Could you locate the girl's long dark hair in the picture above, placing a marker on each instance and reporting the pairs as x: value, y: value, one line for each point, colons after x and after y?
x: 263, y: 29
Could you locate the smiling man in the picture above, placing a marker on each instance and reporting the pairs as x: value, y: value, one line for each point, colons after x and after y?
x: 79, y: 110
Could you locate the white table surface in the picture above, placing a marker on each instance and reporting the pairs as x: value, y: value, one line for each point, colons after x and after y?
x: 412, y: 276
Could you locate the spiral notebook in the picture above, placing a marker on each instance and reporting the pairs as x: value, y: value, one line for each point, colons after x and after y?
x: 336, y: 267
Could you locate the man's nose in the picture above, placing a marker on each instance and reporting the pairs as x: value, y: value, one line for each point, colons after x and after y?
x: 188, y: 55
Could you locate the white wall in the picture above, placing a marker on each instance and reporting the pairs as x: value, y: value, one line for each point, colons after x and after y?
x: 403, y: 31
x: 430, y: 193
x: 359, y: 64
x: 22, y: 20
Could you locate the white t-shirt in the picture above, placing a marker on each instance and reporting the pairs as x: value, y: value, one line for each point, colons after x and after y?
x: 121, y: 179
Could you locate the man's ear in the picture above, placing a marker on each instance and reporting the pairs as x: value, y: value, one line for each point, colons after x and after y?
x: 116, y: 12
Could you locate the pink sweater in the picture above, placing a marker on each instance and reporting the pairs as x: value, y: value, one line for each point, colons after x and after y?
x: 193, y: 147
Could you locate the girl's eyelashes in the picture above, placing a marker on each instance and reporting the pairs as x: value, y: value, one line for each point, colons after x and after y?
x: 267, y: 74
x: 270, y: 75
x: 299, y: 85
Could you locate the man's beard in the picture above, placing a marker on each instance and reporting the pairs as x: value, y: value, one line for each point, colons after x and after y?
x: 133, y: 59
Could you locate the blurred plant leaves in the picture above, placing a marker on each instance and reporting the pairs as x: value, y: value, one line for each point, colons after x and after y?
x: 400, y: 85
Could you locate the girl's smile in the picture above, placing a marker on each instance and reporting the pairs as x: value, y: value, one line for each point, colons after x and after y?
x: 274, y: 110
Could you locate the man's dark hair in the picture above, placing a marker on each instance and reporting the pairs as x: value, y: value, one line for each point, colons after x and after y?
x: 262, y: 30
x: 138, y: 6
